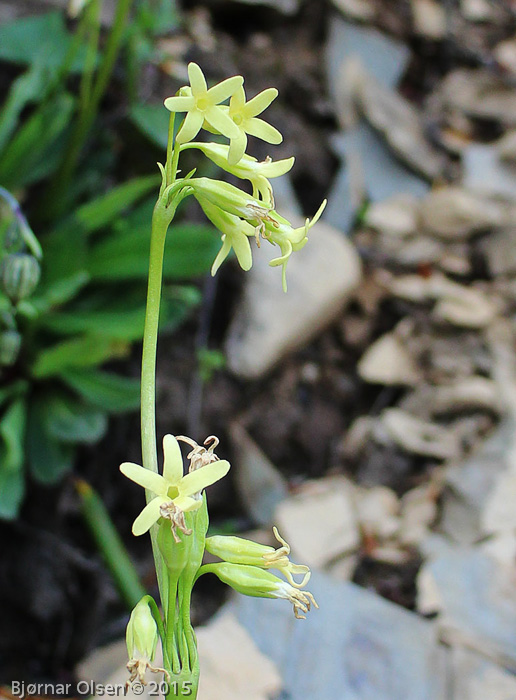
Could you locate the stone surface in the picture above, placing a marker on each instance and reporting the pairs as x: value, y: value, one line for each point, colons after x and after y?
x: 476, y: 601
x: 476, y: 678
x: 387, y: 361
x: 357, y: 646
x: 485, y: 171
x: 268, y: 324
x: 320, y: 523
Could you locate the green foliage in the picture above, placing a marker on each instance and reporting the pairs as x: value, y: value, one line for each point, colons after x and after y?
x: 86, y: 308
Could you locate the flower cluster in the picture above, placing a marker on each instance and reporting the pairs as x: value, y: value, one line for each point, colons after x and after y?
x: 239, y: 216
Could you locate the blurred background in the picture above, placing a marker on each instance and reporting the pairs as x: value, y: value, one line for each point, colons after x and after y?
x: 369, y: 412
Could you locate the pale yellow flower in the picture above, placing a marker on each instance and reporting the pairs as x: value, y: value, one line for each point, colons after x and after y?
x: 174, y: 491
x: 244, y: 116
x: 203, y: 104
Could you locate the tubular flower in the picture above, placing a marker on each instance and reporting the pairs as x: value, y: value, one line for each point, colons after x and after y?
x: 244, y: 115
x: 142, y: 639
x: 252, y: 581
x: 279, y: 231
x: 235, y: 234
x: 175, y: 493
x: 203, y: 104
x: 237, y: 550
x: 231, y: 200
x: 247, y: 168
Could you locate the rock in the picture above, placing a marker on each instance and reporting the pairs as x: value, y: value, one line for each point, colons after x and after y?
x: 362, y: 10
x: 268, y: 324
x: 455, y: 214
x: 476, y: 10
x: 400, y: 124
x: 387, y: 361
x: 396, y: 215
x: 357, y: 646
x: 467, y: 307
x: 232, y: 666
x: 505, y: 54
x: 469, y: 485
x: 499, y: 513
x: 476, y: 601
x: 418, y: 512
x: 418, y: 436
x: 476, y: 678
x: 378, y: 509
x: 500, y: 250
x: 259, y: 483
x: 286, y: 7
x: 320, y: 522
x: 485, y: 172
x: 478, y: 93
x: 472, y: 393
x: 506, y: 146
x: 429, y: 18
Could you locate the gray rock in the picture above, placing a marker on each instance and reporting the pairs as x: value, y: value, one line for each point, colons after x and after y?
x: 476, y: 601
x: 476, y: 678
x: 500, y: 250
x: 357, y: 646
x: 268, y: 323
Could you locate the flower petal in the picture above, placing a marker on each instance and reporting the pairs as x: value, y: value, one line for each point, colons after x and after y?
x: 197, y: 79
x: 179, y: 104
x: 237, y: 101
x: 227, y: 88
x: 191, y: 126
x: 201, y: 478
x: 262, y: 130
x: 221, y: 121
x: 260, y: 102
x: 148, y: 516
x: 242, y: 249
x: 275, y: 168
x: 173, y: 460
x: 186, y: 503
x: 145, y: 477
x: 237, y: 147
x: 221, y: 255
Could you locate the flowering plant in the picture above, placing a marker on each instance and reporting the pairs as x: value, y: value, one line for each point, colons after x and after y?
x: 176, y: 513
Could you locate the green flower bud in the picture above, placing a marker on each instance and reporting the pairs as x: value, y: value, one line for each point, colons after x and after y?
x: 252, y: 581
x: 238, y: 550
x: 142, y: 632
x: 10, y: 343
x: 19, y: 275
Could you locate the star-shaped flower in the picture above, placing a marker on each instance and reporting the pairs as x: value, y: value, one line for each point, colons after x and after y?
x: 203, y: 104
x: 244, y: 115
x: 174, y: 491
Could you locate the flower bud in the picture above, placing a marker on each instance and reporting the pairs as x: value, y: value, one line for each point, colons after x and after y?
x: 238, y: 550
x: 142, y: 632
x: 252, y: 581
x: 19, y: 275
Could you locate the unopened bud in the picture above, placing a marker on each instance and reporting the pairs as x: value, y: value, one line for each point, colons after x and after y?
x: 142, y: 632
x: 20, y: 274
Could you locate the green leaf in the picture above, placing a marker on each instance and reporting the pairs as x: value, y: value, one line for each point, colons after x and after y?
x: 108, y: 391
x: 70, y: 421
x: 27, y: 88
x: 121, y: 325
x: 12, y: 436
x: 35, y: 150
x: 189, y: 252
x: 106, y: 209
x: 152, y: 120
x: 40, y: 39
x: 85, y: 351
x: 60, y: 291
x: 48, y: 459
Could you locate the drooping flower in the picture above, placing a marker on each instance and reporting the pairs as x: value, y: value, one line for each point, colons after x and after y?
x: 175, y: 493
x: 247, y: 168
x: 231, y: 200
x: 253, y: 581
x: 202, y: 103
x: 142, y: 639
x: 237, y: 550
x: 235, y: 234
x: 244, y: 116
x: 279, y: 231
